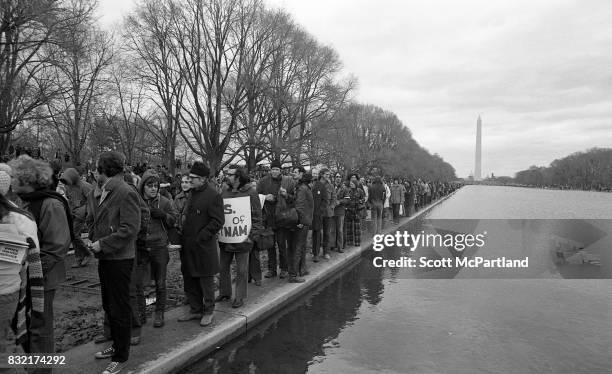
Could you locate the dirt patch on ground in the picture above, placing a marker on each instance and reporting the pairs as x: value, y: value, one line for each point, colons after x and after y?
x: 78, y: 310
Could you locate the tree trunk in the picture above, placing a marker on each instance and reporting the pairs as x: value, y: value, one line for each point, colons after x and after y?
x: 5, y: 142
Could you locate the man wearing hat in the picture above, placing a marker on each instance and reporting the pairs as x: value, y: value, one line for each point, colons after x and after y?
x: 203, y: 218
x: 270, y: 185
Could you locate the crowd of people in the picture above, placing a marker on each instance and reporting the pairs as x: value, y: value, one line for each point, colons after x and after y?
x: 132, y: 217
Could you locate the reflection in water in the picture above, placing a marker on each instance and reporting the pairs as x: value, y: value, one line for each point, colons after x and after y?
x: 291, y: 343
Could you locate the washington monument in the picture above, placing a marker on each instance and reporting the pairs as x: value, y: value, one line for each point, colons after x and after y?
x: 477, y: 169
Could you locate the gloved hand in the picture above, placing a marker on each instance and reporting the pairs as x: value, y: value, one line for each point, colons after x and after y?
x: 157, y: 213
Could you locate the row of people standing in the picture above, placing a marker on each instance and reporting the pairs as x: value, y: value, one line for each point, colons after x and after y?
x: 130, y: 224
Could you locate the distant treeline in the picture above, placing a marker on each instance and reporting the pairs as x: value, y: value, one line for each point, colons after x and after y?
x: 590, y: 170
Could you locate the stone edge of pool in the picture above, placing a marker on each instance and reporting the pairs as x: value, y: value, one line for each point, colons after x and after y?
x: 151, y: 357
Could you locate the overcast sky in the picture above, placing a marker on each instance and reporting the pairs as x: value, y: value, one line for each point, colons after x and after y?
x: 538, y: 72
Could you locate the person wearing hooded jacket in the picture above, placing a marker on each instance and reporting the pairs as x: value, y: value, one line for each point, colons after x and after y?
x: 76, y: 194
x: 163, y: 217
x: 239, y: 185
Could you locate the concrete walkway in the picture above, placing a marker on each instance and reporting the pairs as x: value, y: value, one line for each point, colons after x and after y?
x: 178, y: 344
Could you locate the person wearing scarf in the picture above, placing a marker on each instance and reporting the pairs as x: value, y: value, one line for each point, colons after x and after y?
x: 31, y: 181
x: 21, y: 285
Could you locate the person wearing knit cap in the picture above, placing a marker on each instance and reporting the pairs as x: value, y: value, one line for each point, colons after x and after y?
x: 204, y: 217
x: 271, y: 185
x: 21, y: 284
x: 32, y: 182
x: 9, y: 194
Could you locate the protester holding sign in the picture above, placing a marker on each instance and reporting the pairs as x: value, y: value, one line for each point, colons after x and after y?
x: 243, y: 223
x: 21, y: 282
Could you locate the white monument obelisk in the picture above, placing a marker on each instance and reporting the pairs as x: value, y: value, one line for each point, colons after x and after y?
x: 477, y: 172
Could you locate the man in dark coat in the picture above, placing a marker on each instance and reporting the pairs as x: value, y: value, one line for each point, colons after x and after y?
x: 270, y: 185
x: 204, y: 217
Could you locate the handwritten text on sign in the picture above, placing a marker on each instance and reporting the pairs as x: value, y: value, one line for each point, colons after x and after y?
x: 237, y: 220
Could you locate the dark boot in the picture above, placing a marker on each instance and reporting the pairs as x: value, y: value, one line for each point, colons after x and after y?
x: 159, y: 319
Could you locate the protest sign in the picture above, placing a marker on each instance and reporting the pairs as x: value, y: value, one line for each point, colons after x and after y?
x: 237, y: 220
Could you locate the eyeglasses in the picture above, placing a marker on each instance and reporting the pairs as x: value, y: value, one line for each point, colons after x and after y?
x: 194, y: 177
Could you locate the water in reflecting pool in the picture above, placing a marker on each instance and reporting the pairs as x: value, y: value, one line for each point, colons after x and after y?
x: 391, y: 321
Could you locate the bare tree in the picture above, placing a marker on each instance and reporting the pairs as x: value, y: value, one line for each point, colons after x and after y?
x: 77, y: 69
x: 26, y: 27
x: 263, y: 41
x: 211, y: 53
x: 148, y: 36
x: 124, y: 109
x: 304, y: 88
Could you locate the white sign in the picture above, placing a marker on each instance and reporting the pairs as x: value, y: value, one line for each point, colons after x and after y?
x: 13, y: 247
x: 237, y: 220
x: 12, y: 253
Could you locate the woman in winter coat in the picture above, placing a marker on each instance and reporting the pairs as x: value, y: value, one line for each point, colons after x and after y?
x: 239, y: 185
